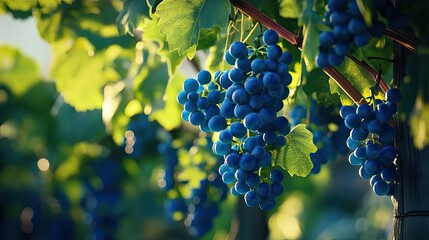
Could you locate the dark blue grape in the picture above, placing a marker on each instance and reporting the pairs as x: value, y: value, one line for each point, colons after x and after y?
x: 190, y: 85
x: 217, y: 123
x: 393, y: 95
x: 274, y: 52
x: 270, y: 37
x: 204, y: 77
x: 238, y: 50
x: 258, y: 65
x: 252, y: 198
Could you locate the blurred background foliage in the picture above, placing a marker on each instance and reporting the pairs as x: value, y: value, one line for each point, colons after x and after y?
x: 78, y: 145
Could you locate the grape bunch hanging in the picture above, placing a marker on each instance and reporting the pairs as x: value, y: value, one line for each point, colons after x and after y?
x: 241, y: 105
x: 372, y: 141
x: 350, y: 29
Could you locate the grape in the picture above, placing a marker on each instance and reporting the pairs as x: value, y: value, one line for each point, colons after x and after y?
x: 326, y: 39
x: 253, y: 121
x: 217, y: 123
x: 204, y: 77
x: 380, y: 188
x: 238, y: 50
x: 286, y: 58
x: 267, y: 203
x: 274, y: 52
x: 364, y: 110
x: 258, y: 65
x: 346, y: 110
x: 190, y: 85
x: 393, y: 95
x: 252, y: 198
x: 229, y: 58
x: 270, y: 37
x: 276, y: 176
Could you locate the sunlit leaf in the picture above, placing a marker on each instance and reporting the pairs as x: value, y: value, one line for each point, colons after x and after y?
x: 152, y: 33
x: 310, y: 45
x: 150, y: 85
x: 21, y: 5
x: 132, y: 13
x: 295, y: 156
x: 17, y: 71
x: 169, y: 117
x: 316, y: 82
x: 291, y: 8
x: 181, y: 21
x: 358, y: 77
x: 78, y: 74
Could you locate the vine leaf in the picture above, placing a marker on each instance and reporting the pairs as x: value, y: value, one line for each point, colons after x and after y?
x: 182, y: 21
x: 133, y: 12
x: 310, y: 45
x: 291, y: 8
x: 150, y: 84
x: 74, y: 69
x: 169, y: 116
x: 317, y: 82
x: 17, y: 71
x: 294, y: 157
x: 358, y: 77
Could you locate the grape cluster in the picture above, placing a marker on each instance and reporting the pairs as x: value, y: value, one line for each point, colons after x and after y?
x: 198, y: 208
x: 329, y: 132
x: 241, y: 104
x: 349, y: 28
x: 371, y: 139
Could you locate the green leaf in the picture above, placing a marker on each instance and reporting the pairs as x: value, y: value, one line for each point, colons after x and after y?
x: 132, y: 13
x: 73, y: 126
x: 335, y: 89
x: 150, y: 85
x: 78, y: 74
x: 291, y: 8
x: 215, y: 57
x: 151, y: 33
x: 17, y: 71
x: 169, y: 117
x: 182, y: 21
x: 358, y: 77
x: 310, y: 45
x: 294, y: 157
x: 21, y: 5
x: 317, y: 82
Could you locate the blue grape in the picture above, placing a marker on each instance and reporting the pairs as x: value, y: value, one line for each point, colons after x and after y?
x: 270, y: 37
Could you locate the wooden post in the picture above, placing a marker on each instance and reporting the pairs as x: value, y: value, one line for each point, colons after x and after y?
x: 411, y: 199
